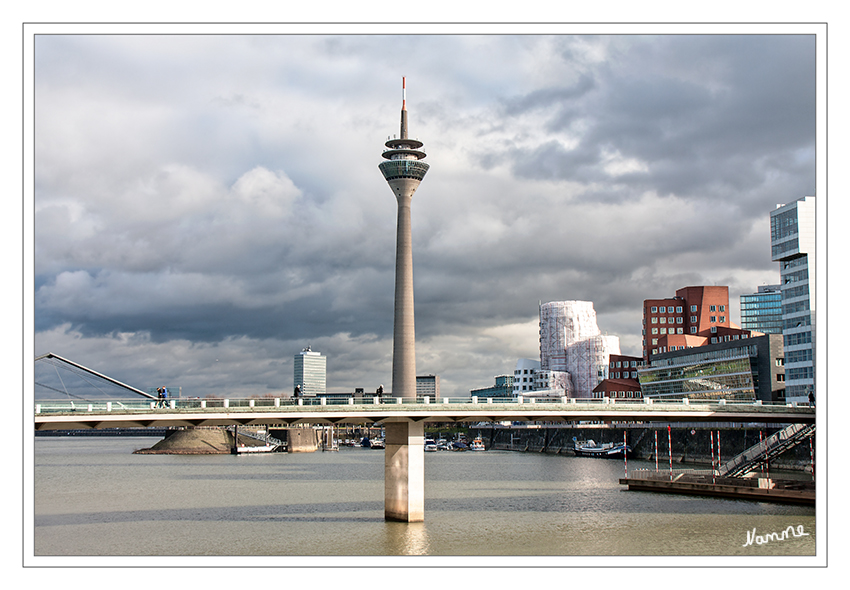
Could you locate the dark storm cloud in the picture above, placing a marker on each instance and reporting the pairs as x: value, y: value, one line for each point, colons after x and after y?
x: 699, y: 112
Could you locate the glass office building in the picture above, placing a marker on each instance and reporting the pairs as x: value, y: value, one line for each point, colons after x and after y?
x: 762, y: 311
x: 311, y: 372
x: 722, y: 374
x: 792, y: 239
x: 743, y: 369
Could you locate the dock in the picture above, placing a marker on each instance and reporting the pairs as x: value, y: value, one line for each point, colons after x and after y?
x: 739, y: 488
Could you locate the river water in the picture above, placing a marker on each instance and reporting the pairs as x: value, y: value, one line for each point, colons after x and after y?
x: 93, y: 497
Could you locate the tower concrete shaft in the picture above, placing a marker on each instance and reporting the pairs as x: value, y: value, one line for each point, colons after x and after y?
x: 403, y: 171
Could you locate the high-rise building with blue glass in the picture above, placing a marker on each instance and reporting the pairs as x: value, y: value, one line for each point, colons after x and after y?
x: 792, y: 242
x: 762, y: 311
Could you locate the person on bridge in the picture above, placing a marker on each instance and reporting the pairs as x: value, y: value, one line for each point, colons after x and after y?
x: 297, y: 391
x: 160, y: 398
x: 811, y: 399
x: 380, y: 391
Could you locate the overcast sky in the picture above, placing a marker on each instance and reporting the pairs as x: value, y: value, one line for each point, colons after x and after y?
x: 207, y: 206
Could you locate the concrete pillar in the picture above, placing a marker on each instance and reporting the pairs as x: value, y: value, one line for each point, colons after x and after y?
x: 404, y: 471
x: 404, y: 347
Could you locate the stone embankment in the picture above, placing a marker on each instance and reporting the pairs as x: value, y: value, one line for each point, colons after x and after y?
x: 218, y: 441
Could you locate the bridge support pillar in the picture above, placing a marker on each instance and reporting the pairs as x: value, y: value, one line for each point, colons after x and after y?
x: 404, y: 471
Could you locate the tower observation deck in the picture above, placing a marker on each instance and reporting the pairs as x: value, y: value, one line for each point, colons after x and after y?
x: 404, y: 156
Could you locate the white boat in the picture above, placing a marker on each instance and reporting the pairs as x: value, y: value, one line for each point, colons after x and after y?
x: 263, y: 449
x: 378, y: 443
x: 442, y: 445
x: 430, y: 446
x: 477, y: 445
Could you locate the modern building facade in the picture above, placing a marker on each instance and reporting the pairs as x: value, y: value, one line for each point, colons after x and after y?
x: 574, y: 354
x: 310, y: 373
x: 622, y: 381
x: 503, y: 388
x: 792, y: 243
x: 691, y: 311
x: 746, y: 369
x: 428, y: 385
x: 762, y: 311
x: 525, y: 374
x: 403, y: 171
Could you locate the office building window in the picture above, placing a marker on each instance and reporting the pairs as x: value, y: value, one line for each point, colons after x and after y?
x: 693, y: 308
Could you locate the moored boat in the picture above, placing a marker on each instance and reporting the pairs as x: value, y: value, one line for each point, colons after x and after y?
x: 259, y: 449
x: 378, y: 443
x: 477, y: 445
x: 591, y: 448
x: 430, y: 446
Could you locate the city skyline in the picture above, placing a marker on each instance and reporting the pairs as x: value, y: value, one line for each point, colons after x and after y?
x: 205, y: 206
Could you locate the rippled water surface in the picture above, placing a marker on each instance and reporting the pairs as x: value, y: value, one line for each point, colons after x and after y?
x: 94, y: 497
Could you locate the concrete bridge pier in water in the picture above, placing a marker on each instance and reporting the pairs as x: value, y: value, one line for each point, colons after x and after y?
x: 404, y: 471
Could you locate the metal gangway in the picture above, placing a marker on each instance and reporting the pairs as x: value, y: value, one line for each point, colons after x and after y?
x: 765, y: 450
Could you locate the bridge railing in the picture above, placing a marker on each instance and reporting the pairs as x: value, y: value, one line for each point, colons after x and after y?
x: 243, y: 404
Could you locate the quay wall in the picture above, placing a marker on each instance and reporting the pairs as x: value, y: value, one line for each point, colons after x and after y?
x: 298, y: 440
x: 691, y: 444
x: 216, y: 440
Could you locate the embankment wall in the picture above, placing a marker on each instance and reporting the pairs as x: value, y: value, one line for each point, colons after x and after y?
x: 691, y: 444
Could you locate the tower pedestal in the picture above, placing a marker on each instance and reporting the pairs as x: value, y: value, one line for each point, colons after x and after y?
x: 404, y: 471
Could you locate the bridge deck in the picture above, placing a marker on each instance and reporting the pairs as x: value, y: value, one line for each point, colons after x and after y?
x: 127, y: 413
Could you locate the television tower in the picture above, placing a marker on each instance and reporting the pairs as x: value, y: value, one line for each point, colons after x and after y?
x: 403, y: 170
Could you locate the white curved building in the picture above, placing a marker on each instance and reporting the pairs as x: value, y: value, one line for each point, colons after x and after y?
x: 572, y: 348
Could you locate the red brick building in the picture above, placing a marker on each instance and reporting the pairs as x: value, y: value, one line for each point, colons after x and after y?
x: 622, y: 381
x: 687, y: 318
